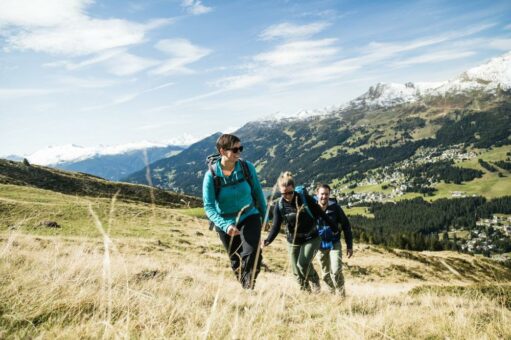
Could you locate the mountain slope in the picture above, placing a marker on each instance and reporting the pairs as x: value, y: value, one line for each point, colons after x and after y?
x: 73, y: 183
x: 379, y: 129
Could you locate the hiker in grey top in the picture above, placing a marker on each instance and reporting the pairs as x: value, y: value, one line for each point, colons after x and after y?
x: 299, y: 212
x: 330, y: 251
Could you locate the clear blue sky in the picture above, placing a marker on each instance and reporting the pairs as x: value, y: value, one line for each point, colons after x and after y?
x: 111, y: 72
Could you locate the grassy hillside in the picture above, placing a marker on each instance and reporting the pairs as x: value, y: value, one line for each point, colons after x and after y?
x: 119, y: 269
x: 76, y: 183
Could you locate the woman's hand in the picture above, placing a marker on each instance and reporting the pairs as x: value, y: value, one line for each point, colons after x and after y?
x: 232, y: 230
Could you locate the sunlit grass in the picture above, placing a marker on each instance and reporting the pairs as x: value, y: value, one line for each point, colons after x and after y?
x: 126, y: 270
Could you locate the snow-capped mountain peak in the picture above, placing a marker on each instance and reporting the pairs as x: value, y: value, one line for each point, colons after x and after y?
x: 385, y: 95
x: 497, y: 70
x: 487, y: 77
x: 53, y: 155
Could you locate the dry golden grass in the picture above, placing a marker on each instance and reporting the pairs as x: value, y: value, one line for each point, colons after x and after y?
x: 59, y: 288
x: 173, y: 281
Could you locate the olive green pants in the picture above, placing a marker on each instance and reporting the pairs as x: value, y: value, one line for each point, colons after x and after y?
x: 331, y: 268
x: 301, y: 257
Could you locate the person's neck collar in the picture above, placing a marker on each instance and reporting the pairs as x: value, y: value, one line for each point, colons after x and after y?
x: 227, y: 165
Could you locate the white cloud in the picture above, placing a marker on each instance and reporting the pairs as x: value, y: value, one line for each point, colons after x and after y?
x: 125, y: 64
x: 195, y: 7
x: 64, y: 28
x: 300, y: 52
x: 182, y: 53
x: 435, y: 57
x: 81, y: 37
x: 239, y: 82
x: 40, y: 13
x: 291, y: 31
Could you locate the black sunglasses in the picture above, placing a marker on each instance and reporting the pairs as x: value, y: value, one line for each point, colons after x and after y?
x: 287, y: 193
x: 236, y: 149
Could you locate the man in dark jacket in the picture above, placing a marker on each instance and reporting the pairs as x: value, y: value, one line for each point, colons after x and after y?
x: 330, y: 252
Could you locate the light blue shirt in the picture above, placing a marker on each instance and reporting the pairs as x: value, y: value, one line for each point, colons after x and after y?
x: 232, y: 198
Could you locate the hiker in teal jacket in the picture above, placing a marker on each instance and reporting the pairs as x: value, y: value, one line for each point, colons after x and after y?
x: 236, y: 205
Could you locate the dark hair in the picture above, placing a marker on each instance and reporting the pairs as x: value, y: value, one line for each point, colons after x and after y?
x: 323, y: 186
x: 226, y: 141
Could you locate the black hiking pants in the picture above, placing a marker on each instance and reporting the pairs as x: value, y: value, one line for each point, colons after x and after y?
x: 243, y: 249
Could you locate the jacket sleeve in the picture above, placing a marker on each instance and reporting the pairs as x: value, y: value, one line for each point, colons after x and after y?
x: 346, y: 227
x: 319, y: 213
x: 208, y: 197
x: 258, y: 191
x: 275, y: 228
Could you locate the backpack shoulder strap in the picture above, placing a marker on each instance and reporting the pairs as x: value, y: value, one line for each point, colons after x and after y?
x: 248, y: 177
x: 217, y: 182
x: 246, y: 172
x: 301, y: 191
x: 280, y: 206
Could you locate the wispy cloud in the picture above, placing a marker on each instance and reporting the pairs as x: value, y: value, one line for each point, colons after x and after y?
x: 182, y: 53
x: 435, y: 57
x: 300, y: 52
x: 118, y: 62
x: 195, y: 7
x: 319, y: 61
x: 87, y: 83
x: 500, y: 44
x: 125, y: 98
x: 126, y: 64
x: 11, y: 93
x: 291, y: 31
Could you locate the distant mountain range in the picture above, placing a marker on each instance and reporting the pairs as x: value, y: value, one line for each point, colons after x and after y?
x: 109, y: 162
x: 385, y: 126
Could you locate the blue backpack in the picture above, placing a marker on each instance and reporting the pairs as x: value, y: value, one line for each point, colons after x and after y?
x: 326, y: 234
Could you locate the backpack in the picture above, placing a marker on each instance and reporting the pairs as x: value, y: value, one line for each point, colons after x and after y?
x: 211, y: 160
x: 325, y: 232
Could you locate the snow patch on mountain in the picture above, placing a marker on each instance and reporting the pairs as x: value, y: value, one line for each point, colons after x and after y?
x: 487, y: 77
x: 299, y: 115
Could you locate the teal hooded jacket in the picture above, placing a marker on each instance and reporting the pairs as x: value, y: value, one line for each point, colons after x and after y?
x: 232, y: 198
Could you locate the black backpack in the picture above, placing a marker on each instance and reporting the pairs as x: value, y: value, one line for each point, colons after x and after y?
x: 217, y: 181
